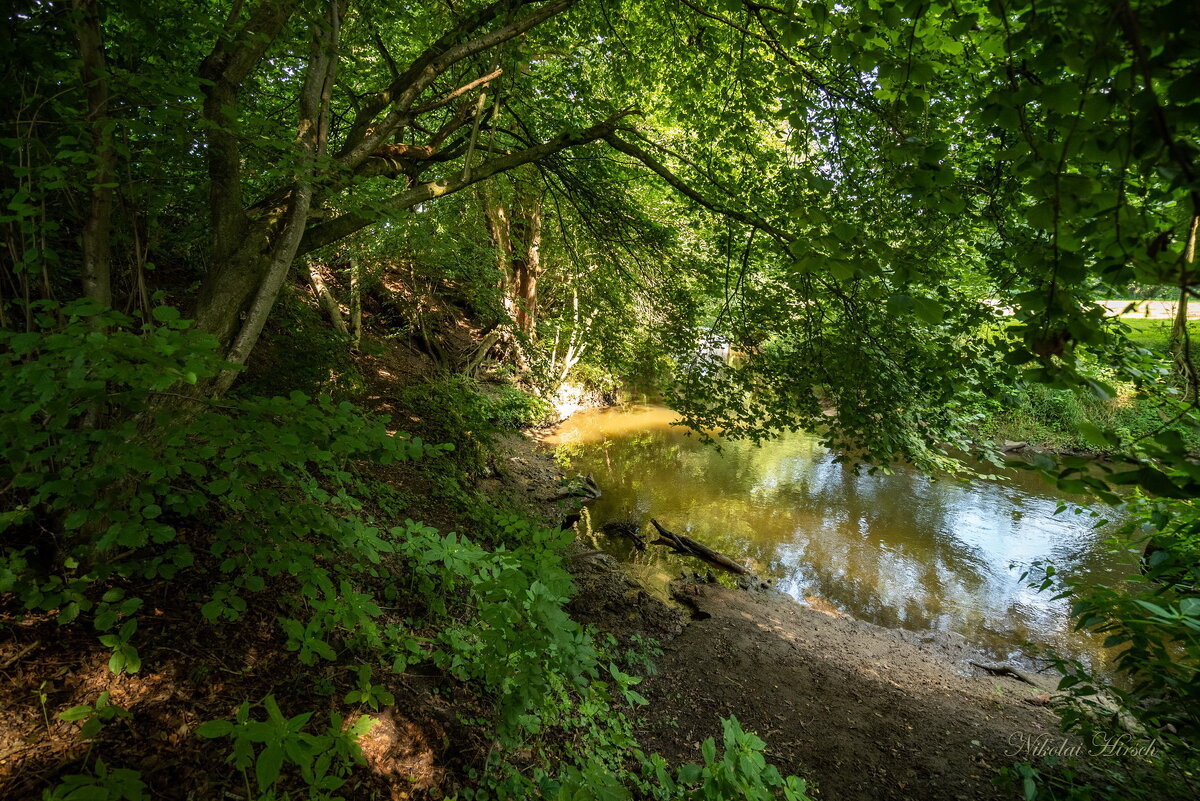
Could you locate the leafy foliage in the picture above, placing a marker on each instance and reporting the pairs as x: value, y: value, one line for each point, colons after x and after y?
x: 323, y: 760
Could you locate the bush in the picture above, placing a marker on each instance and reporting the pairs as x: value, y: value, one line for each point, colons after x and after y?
x: 1146, y: 722
x: 464, y: 412
x: 101, y: 477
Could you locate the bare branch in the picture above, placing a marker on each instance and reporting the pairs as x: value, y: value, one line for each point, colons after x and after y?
x: 459, y: 92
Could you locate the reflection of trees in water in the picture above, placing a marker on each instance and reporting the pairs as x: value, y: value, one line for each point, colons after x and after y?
x: 898, y: 549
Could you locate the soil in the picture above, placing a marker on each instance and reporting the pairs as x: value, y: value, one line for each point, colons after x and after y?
x: 862, y: 711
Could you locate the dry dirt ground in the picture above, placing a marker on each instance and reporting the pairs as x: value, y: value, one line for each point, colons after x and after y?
x: 858, y: 709
x: 862, y: 711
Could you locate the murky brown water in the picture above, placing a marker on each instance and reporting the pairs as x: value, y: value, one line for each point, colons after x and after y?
x: 900, y: 550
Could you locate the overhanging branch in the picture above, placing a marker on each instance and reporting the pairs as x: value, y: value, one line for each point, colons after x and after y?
x: 680, y: 186
x: 333, y: 230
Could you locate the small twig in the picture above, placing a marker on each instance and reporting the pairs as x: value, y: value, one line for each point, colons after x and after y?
x: 12, y: 660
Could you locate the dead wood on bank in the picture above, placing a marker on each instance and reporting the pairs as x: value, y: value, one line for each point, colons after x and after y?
x: 689, y: 547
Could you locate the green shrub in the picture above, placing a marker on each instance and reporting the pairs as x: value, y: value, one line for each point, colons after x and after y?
x: 513, y: 408
x: 466, y: 413
x: 1142, y: 727
x: 323, y: 760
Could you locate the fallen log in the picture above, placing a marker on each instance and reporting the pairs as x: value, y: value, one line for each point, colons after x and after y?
x: 689, y: 547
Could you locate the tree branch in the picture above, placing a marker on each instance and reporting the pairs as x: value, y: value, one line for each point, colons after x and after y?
x: 656, y: 166
x: 367, y: 133
x: 333, y: 230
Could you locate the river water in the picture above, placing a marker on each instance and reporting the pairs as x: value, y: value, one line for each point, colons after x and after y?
x: 900, y: 550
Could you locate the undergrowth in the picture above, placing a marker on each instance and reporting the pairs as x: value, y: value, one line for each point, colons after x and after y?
x: 118, y: 479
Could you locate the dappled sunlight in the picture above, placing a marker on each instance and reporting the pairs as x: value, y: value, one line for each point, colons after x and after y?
x: 398, y: 750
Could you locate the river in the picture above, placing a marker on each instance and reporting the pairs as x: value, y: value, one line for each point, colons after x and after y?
x: 900, y: 550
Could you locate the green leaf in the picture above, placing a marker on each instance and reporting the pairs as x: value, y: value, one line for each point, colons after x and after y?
x: 212, y: 729
x: 268, y: 766
x: 927, y: 310
x: 1153, y: 608
x: 77, y: 713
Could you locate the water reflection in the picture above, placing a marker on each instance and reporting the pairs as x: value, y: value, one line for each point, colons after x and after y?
x: 899, y: 550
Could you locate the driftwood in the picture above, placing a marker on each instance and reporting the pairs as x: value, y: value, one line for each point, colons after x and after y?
x: 585, y: 488
x: 1004, y: 670
x: 689, y: 547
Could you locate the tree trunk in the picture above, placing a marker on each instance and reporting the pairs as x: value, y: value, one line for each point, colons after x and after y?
x: 517, y: 237
x: 1180, y: 341
x: 495, y: 217
x: 97, y: 228
x: 526, y: 257
x: 326, y: 299
x: 355, y: 303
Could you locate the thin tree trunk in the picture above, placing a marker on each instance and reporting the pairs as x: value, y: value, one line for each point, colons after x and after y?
x: 1180, y: 341
x: 97, y: 228
x: 326, y: 299
x: 495, y: 217
x: 526, y: 258
x: 355, y: 303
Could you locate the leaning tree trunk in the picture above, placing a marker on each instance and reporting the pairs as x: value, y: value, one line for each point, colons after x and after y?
x: 326, y: 299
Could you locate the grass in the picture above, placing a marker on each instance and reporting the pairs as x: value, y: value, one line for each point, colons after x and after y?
x: 1050, y: 418
x: 1155, y: 335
